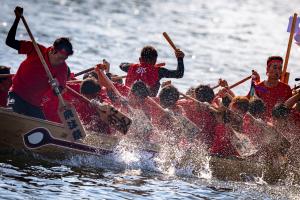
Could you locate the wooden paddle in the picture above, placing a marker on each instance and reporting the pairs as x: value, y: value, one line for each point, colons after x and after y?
x: 6, y: 75
x: 214, y: 87
x: 169, y: 41
x: 285, y: 75
x: 240, y: 82
x: 84, y: 71
x: 68, y: 114
x: 108, y: 114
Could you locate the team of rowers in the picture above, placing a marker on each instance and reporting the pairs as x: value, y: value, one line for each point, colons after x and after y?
x: 270, y: 107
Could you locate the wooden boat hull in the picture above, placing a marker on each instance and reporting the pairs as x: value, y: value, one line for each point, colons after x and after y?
x: 13, y: 126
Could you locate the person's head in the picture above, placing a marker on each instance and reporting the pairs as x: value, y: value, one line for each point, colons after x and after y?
x: 226, y: 101
x: 148, y: 55
x: 5, y: 82
x: 204, y: 93
x: 239, y: 104
x: 91, y: 74
x: 115, y: 78
x: 61, y: 50
x: 274, y: 67
x: 168, y: 96
x: 140, y: 90
x: 280, y: 111
x: 191, y: 92
x: 256, y: 107
x: 90, y: 88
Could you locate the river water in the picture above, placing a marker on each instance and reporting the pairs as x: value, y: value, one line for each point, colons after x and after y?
x: 221, y: 39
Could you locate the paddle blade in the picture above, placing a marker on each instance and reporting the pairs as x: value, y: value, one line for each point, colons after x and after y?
x: 113, y: 117
x: 242, y: 144
x: 71, y: 121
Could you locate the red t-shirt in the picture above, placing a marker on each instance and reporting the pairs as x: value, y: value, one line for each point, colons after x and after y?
x: 50, y: 102
x: 273, y: 95
x: 144, y: 72
x: 204, y: 119
x: 221, y: 144
x: 250, y: 129
x: 31, y: 81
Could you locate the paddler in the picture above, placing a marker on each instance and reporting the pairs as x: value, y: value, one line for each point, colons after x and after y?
x: 31, y: 81
x: 148, y: 73
x: 272, y: 90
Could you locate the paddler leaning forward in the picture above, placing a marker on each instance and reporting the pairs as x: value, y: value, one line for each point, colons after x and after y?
x: 31, y: 82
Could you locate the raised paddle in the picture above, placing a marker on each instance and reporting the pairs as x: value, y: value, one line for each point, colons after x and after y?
x: 240, y: 82
x: 169, y: 41
x: 285, y: 75
x: 67, y: 113
x: 84, y: 71
x: 214, y: 87
x: 40, y: 137
x: 107, y: 113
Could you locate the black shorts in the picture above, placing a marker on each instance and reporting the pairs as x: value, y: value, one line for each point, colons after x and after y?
x: 21, y: 106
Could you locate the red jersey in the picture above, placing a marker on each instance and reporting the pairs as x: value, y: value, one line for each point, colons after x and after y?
x: 250, y: 129
x: 222, y: 144
x: 50, y: 102
x: 204, y: 119
x: 144, y: 72
x: 31, y: 81
x: 273, y: 95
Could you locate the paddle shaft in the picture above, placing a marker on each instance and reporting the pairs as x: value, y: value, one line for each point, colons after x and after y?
x: 78, y: 146
x: 6, y: 75
x: 215, y: 86
x: 169, y: 41
x: 240, y: 82
x: 109, y: 83
x: 77, y: 94
x: 39, y: 53
x: 84, y: 71
x: 287, y: 55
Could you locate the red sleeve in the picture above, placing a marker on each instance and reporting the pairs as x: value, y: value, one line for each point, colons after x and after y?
x: 103, y: 96
x: 26, y: 47
x: 124, y: 90
x: 61, y: 76
x: 289, y: 92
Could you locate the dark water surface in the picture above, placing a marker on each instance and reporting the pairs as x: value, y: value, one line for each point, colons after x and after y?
x: 220, y: 39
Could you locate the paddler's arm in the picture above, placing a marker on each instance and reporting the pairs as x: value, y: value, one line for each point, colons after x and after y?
x: 292, y: 100
x: 178, y: 73
x: 11, y: 36
x: 125, y: 66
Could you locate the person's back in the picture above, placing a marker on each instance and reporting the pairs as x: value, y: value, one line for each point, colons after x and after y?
x: 148, y: 73
x: 200, y: 114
